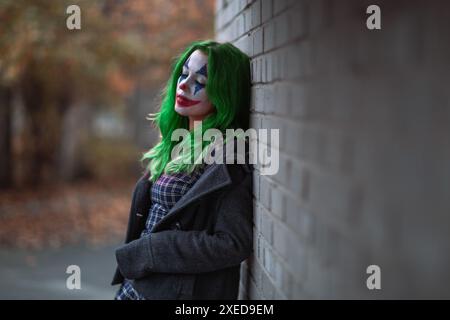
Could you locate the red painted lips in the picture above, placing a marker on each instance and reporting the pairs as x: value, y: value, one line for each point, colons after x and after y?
x: 185, y: 102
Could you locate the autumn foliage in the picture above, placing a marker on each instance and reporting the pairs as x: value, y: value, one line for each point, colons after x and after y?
x: 48, y: 70
x: 51, y: 69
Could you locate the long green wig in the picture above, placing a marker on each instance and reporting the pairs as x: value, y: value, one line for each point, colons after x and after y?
x: 228, y: 89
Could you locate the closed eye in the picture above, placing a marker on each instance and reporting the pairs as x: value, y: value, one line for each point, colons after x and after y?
x: 201, y: 80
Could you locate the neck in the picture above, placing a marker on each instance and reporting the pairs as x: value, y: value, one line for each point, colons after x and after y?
x: 191, y: 123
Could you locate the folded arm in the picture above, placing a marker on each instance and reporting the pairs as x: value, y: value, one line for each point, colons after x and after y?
x: 178, y: 251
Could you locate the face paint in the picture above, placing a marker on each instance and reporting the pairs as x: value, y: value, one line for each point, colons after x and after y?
x: 191, y: 97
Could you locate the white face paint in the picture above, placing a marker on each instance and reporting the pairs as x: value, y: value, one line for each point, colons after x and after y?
x: 192, y: 100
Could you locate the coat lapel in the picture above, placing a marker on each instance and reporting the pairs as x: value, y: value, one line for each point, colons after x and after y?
x: 214, y: 177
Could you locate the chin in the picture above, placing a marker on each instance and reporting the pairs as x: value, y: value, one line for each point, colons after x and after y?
x: 200, y: 110
x: 186, y: 111
x: 182, y: 110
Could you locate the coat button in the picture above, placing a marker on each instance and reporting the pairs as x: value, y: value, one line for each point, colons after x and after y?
x: 178, y: 226
x: 138, y: 214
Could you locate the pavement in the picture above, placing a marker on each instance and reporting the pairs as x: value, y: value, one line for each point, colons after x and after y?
x: 41, y: 274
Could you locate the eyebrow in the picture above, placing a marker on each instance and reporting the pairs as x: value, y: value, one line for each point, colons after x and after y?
x: 203, y: 71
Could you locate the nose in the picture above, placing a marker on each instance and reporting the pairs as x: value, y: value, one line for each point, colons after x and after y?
x: 183, y: 86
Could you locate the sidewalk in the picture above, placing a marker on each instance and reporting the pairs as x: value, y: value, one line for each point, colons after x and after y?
x: 41, y: 274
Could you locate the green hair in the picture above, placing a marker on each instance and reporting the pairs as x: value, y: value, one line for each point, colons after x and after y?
x: 228, y: 89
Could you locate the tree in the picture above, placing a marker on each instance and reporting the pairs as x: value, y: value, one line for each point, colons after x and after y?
x: 52, y: 68
x: 5, y: 138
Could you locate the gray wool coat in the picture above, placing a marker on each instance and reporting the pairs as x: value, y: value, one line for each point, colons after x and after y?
x: 195, y: 251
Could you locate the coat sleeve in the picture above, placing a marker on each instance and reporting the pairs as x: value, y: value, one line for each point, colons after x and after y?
x: 178, y: 251
x: 118, y: 277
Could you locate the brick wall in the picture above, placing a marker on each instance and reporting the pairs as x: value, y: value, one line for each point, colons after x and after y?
x: 364, y: 146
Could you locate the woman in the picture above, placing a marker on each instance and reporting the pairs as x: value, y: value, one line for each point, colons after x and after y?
x: 190, y: 223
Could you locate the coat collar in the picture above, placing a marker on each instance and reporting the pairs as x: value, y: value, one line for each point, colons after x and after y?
x: 215, y: 176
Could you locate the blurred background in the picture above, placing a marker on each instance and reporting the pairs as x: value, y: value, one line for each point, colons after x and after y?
x: 363, y: 117
x: 73, y: 105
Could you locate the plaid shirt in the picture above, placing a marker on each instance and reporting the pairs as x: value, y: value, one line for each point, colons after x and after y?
x: 165, y: 192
